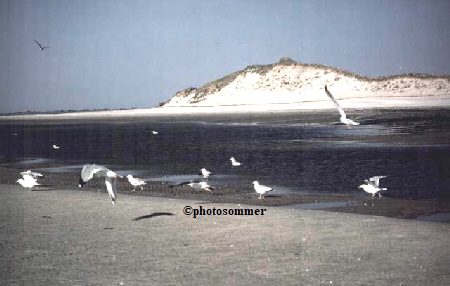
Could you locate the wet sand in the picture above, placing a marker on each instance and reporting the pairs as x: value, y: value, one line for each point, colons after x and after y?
x: 243, y: 194
x: 71, y: 237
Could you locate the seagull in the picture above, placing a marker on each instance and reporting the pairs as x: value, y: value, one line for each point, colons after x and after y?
x: 40, y: 46
x: 234, y: 163
x: 136, y: 182
x: 205, y: 173
x: 28, y: 181
x: 198, y: 185
x: 154, y: 132
x: 372, y: 186
x: 343, y: 118
x: 90, y: 171
x: 35, y: 175
x: 56, y: 147
x: 261, y: 189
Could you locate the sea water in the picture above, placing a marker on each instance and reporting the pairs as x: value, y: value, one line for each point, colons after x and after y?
x: 304, y: 152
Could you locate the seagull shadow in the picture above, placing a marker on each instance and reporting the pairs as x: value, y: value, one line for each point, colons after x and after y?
x: 152, y: 215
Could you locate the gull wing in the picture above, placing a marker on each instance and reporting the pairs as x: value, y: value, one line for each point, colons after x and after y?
x: 40, y: 46
x: 111, y: 188
x: 89, y: 171
x: 375, y: 180
x: 339, y: 108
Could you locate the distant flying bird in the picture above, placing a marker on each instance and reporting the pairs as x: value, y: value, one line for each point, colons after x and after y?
x: 90, y: 171
x: 56, y: 147
x: 40, y: 46
x: 198, y: 185
x: 372, y: 186
x: 35, y: 175
x: 136, y: 182
x: 28, y: 181
x: 261, y: 189
x: 205, y: 173
x: 343, y: 118
x: 234, y: 163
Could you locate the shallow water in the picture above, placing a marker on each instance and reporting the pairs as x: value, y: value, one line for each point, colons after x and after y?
x: 294, y: 153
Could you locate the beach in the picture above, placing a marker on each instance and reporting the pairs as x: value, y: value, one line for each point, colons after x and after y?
x: 60, y: 234
x: 68, y: 237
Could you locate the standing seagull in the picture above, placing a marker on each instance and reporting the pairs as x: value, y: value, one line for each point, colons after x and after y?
x: 343, y: 118
x: 205, y: 173
x: 195, y: 184
x: 28, y: 181
x: 40, y: 46
x: 90, y: 171
x: 234, y: 163
x: 261, y: 189
x: 372, y: 186
x: 136, y: 182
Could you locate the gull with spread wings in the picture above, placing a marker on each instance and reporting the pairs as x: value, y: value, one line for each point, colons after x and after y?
x: 343, y: 118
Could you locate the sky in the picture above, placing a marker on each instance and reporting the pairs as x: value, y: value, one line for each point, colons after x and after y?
x: 135, y: 54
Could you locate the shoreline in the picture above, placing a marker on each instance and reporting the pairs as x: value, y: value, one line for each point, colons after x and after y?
x: 244, y: 194
x: 281, y: 108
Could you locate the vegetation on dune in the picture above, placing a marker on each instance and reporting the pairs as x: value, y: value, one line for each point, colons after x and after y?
x: 216, y: 85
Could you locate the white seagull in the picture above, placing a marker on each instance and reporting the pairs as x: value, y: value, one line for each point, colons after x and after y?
x: 343, y: 118
x: 372, y: 186
x: 28, y: 181
x: 261, y: 189
x: 35, y: 175
x: 205, y: 173
x: 40, y: 46
x: 155, y: 132
x: 198, y: 185
x: 234, y: 163
x: 136, y: 182
x: 56, y: 147
x: 90, y: 171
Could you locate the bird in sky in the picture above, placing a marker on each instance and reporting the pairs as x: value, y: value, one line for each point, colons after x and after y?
x: 40, y: 46
x: 90, y: 171
x: 343, y: 118
x: 136, y: 182
x: 261, y: 189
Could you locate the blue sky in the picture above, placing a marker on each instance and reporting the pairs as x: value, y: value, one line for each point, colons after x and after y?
x: 124, y: 54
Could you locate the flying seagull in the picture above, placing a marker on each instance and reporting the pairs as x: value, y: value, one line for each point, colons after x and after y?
x: 343, y: 118
x: 198, y: 185
x: 261, y: 189
x: 28, y: 181
x: 90, y: 171
x: 234, y: 163
x: 205, y: 173
x: 136, y: 182
x: 40, y: 46
x: 35, y: 175
x: 56, y: 147
x: 372, y: 186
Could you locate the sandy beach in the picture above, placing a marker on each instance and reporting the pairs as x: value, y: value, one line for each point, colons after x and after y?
x: 68, y: 237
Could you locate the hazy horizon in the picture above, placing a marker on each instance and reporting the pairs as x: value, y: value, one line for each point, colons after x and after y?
x: 117, y: 54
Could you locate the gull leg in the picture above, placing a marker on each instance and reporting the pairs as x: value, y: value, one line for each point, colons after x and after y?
x: 260, y: 196
x: 142, y: 188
